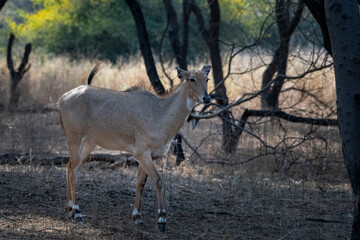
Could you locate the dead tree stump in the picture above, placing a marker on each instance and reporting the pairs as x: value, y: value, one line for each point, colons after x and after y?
x: 16, y: 75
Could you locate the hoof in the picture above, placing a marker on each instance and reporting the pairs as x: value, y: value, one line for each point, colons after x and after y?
x: 162, y: 227
x: 78, y: 217
x: 74, y: 213
x: 139, y: 222
x: 137, y: 218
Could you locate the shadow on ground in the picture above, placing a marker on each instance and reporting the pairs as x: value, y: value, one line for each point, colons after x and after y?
x: 32, y: 200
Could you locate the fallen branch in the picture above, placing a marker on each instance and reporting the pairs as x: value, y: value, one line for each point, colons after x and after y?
x: 288, y: 117
x: 283, y: 115
x: 323, y: 220
x: 21, y: 158
x: 36, y: 109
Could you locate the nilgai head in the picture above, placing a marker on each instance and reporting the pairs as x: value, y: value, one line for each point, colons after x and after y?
x: 197, y: 87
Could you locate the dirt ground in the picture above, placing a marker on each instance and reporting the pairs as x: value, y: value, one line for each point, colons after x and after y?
x: 204, y: 201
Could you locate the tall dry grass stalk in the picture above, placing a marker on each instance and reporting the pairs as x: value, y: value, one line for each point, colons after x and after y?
x: 50, y: 77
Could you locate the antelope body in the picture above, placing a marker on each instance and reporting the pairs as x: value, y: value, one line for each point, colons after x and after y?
x: 134, y: 121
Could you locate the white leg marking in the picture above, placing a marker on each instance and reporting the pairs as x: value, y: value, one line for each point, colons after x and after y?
x: 139, y: 221
x: 135, y: 212
x: 162, y: 220
x: 72, y: 208
x: 161, y: 211
x: 77, y: 215
x: 70, y: 204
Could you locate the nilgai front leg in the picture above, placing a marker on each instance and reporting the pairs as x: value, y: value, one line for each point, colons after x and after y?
x: 147, y: 165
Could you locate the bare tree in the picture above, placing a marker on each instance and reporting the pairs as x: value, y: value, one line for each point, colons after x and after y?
x: 286, y: 27
x: 16, y: 75
x: 211, y: 37
x: 343, y: 21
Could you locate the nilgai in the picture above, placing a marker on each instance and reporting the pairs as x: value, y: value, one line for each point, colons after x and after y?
x: 135, y: 121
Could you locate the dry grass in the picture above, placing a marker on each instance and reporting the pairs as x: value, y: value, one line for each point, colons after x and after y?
x: 313, y: 200
x: 50, y: 77
x: 200, y: 206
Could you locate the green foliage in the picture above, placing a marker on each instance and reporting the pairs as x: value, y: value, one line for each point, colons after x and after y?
x: 102, y: 29
x: 106, y: 28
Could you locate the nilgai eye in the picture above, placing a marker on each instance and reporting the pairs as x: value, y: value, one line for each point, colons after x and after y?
x: 192, y: 79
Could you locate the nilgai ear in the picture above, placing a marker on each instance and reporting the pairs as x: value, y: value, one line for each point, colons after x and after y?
x: 182, y: 74
x: 206, y: 69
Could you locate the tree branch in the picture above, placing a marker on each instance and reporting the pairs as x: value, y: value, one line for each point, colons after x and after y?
x: 145, y: 46
x: 296, y: 18
x: 316, y: 7
x: 160, y: 55
x: 254, y: 95
x: 288, y: 117
x: 9, y: 54
x: 22, y: 68
x: 19, y: 158
x: 2, y: 3
x: 200, y: 20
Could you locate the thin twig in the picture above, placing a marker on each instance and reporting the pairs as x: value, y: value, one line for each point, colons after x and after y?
x: 192, y: 147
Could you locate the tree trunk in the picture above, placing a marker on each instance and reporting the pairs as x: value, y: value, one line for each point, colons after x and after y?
x: 180, y: 50
x: 185, y: 41
x: 211, y: 37
x: 145, y: 46
x: 270, y: 97
x: 2, y: 3
x: 286, y: 27
x: 229, y: 141
x: 343, y: 21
